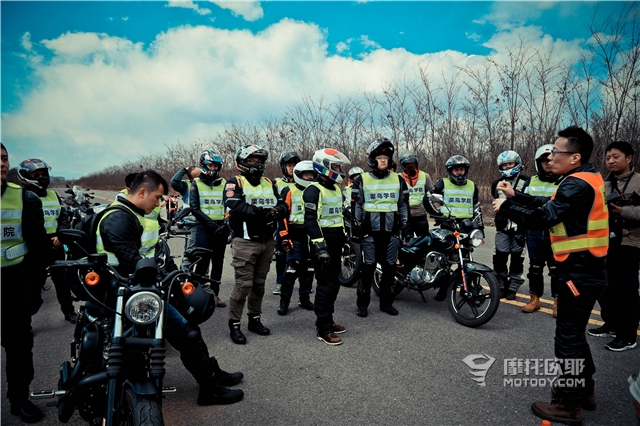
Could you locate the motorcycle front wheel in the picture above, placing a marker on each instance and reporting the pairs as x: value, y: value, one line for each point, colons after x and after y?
x: 141, y: 410
x: 479, y: 304
x: 350, y: 263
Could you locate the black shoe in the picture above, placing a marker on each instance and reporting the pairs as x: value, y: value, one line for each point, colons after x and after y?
x: 389, y: 309
x: 256, y: 326
x: 227, y: 379
x: 305, y: 302
x: 236, y: 335
x: 601, y: 332
x: 362, y: 311
x: 620, y: 345
x: 27, y: 411
x: 511, y: 295
x: 214, y: 394
x: 72, y: 317
x: 284, y: 305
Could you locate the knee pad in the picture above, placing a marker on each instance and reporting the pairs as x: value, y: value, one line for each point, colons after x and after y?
x: 535, y: 269
x: 552, y: 270
x: 292, y: 267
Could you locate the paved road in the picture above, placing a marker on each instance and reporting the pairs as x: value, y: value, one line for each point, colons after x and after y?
x: 404, y: 370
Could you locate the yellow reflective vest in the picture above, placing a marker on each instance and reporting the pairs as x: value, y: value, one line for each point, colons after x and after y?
x: 12, y: 244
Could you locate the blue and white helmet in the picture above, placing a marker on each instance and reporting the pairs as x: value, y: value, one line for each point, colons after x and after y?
x: 210, y: 157
x: 509, y: 157
x: 329, y: 162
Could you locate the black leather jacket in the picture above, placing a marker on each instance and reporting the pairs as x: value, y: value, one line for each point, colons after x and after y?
x: 571, y: 206
x: 121, y: 234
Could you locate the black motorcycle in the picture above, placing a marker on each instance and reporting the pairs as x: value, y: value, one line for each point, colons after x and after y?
x: 115, y: 376
x: 444, y: 258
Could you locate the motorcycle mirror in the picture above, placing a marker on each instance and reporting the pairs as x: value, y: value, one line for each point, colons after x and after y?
x: 437, y: 198
x: 184, y: 212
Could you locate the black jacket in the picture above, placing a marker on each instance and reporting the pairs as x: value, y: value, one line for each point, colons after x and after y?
x: 121, y: 234
x: 571, y: 206
x: 519, y: 182
x: 259, y: 227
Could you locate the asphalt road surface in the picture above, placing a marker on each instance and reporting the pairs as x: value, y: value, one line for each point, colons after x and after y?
x: 402, y: 370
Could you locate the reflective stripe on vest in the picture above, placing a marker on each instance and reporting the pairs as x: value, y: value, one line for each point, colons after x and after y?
x: 380, y: 195
x: 261, y: 196
x: 539, y: 188
x: 211, y: 199
x: 296, y: 215
x: 51, y: 210
x: 416, y: 193
x: 12, y: 245
x: 596, y: 240
x: 281, y: 184
x: 329, y: 207
x: 148, y: 239
x: 459, y: 199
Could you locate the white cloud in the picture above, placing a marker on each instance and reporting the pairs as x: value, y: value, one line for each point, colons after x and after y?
x: 473, y: 36
x: 102, y: 100
x: 249, y: 10
x: 188, y: 4
x: 367, y: 43
x: 25, y: 41
x: 342, y: 47
x: 125, y: 18
x: 479, y: 21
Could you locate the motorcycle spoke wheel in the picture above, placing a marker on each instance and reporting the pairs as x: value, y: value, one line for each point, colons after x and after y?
x: 350, y: 264
x: 479, y: 304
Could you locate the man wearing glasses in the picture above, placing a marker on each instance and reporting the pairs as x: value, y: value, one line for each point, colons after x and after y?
x: 578, y: 222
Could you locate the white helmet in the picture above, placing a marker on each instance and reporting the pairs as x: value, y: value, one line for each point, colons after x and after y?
x: 542, y: 153
x: 509, y: 157
x: 355, y: 171
x: 324, y: 161
x: 299, y: 169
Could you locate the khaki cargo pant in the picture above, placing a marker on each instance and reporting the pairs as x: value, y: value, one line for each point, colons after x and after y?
x: 251, y: 261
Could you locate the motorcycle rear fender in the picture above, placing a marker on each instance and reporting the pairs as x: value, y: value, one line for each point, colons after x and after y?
x: 475, y: 266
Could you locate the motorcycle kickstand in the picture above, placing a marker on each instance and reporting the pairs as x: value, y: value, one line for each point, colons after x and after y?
x: 424, y: 299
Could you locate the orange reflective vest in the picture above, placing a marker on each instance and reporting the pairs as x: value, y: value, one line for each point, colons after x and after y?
x: 596, y: 240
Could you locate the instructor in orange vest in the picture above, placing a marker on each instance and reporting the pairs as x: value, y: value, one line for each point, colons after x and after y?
x: 578, y: 222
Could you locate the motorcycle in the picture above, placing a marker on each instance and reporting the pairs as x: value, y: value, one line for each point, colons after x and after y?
x: 115, y: 375
x: 171, y: 205
x: 444, y: 258
x: 351, y: 259
x: 78, y: 204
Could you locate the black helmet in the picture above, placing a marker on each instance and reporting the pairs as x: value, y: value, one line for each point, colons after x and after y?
x: 210, y: 157
x: 381, y: 146
x: 408, y: 157
x: 198, y: 305
x: 286, y: 158
x: 27, y: 167
x: 455, y: 161
x: 252, y: 150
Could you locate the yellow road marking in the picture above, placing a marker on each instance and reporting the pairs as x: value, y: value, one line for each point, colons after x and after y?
x: 550, y: 311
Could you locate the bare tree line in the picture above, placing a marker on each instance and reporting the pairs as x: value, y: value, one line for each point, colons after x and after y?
x: 516, y: 101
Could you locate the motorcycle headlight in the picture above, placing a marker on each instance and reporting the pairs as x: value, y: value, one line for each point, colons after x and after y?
x: 143, y: 307
x: 476, y: 238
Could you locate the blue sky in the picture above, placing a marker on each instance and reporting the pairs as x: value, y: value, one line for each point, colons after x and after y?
x: 86, y: 85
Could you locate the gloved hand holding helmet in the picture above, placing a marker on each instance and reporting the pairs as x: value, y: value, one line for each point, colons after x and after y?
x: 34, y: 172
x: 330, y: 163
x: 509, y: 164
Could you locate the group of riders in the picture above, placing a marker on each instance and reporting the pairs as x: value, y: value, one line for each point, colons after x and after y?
x: 298, y: 218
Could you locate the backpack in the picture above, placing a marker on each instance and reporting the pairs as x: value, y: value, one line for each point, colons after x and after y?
x: 89, y: 225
